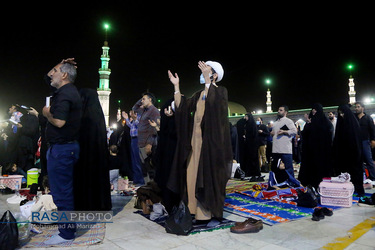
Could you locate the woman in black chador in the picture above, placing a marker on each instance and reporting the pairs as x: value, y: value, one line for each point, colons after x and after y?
x: 251, y: 164
x: 165, y: 151
x: 347, y: 147
x: 316, y: 148
x: 91, y: 173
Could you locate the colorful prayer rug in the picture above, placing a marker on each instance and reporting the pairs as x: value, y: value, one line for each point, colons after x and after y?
x: 238, y: 185
x: 270, y: 211
x: 86, y: 235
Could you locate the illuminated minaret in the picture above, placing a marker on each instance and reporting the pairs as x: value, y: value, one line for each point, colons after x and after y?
x: 351, y: 91
x: 269, y: 102
x: 104, y: 91
x: 351, y: 86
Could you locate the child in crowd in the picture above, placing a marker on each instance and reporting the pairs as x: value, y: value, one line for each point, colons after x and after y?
x: 12, y: 169
x: 114, y: 167
x: 41, y: 203
x: 44, y: 202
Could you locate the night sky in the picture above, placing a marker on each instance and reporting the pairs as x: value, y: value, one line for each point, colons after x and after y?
x: 303, y: 49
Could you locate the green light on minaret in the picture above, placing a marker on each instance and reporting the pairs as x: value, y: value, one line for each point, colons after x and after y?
x: 106, y: 27
x: 350, y: 67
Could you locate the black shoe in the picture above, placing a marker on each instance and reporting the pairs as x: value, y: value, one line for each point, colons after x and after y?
x: 253, y: 179
x: 260, y: 179
x: 265, y: 168
x: 256, y: 179
x: 327, y: 211
x: 318, y: 214
x: 365, y: 201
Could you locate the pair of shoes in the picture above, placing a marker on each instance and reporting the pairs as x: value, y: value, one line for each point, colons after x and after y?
x: 248, y: 226
x: 57, y: 240
x: 321, y: 212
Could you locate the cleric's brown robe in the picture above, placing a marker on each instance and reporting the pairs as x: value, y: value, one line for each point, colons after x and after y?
x: 214, y: 164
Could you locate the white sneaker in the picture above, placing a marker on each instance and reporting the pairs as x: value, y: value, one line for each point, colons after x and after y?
x: 12, y: 198
x: 17, y: 199
x: 57, y: 240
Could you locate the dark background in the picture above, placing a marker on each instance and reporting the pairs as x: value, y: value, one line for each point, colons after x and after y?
x: 303, y: 48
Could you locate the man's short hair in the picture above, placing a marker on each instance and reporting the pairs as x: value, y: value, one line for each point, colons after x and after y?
x: 360, y: 104
x: 286, y: 108
x: 71, y: 70
x: 150, y: 95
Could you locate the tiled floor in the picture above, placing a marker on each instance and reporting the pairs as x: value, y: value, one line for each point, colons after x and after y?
x: 132, y: 231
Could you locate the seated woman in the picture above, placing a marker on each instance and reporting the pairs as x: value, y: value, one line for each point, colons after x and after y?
x: 279, y: 178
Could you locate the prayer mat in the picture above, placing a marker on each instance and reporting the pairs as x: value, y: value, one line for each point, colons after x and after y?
x: 238, y: 185
x: 196, y: 228
x: 86, y: 235
x: 270, y: 211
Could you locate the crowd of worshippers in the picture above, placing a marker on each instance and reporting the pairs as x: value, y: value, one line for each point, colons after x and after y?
x: 188, y: 147
x: 328, y: 145
x: 19, y: 147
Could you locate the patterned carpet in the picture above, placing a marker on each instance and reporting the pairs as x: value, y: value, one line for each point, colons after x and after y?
x: 252, y: 200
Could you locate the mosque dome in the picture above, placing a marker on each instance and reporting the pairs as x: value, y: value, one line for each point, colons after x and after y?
x: 236, y: 109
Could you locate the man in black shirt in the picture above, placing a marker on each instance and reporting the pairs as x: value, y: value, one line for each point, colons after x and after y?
x: 368, y: 138
x: 64, y: 116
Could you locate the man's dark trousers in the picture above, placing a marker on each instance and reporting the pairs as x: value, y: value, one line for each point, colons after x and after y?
x: 61, y: 159
x: 136, y: 162
x: 367, y: 158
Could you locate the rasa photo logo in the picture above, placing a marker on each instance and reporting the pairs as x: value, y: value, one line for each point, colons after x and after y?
x: 50, y: 217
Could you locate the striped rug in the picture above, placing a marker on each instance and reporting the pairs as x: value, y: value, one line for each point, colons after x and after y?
x: 86, y: 235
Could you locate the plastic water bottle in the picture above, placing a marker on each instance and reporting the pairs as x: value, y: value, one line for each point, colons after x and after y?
x: 17, y: 187
x: 126, y: 183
